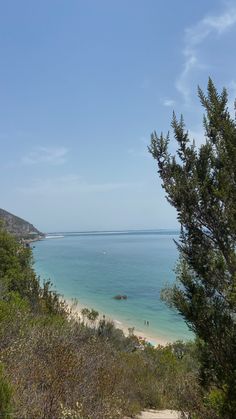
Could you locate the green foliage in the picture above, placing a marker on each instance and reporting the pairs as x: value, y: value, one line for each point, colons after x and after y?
x: 17, y: 275
x: 201, y: 185
x: 91, y: 315
x: 216, y: 399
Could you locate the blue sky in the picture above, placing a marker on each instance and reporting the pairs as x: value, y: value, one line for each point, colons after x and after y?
x: 82, y: 86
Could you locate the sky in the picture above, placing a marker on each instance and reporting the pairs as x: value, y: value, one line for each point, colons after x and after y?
x: 83, y: 83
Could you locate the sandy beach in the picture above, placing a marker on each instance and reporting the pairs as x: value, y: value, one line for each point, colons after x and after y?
x: 76, y: 310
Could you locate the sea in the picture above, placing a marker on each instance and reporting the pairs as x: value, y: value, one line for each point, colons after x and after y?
x: 93, y: 267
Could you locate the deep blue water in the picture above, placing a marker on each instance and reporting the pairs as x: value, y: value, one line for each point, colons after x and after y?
x: 94, y: 267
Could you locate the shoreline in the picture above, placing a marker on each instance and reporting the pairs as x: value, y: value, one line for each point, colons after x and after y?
x: 124, y: 321
x: 76, y: 307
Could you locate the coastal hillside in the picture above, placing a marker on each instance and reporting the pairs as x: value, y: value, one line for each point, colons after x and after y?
x: 19, y: 227
x: 80, y: 366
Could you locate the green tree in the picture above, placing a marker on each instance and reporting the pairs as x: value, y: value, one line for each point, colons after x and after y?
x: 18, y: 276
x: 201, y: 184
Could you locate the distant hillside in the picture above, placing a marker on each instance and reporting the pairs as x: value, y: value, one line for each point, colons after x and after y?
x: 19, y: 227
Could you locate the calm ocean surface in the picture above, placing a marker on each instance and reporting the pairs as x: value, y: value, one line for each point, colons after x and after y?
x: 96, y: 266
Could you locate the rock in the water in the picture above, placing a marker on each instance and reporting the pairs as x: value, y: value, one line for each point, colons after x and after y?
x: 120, y: 297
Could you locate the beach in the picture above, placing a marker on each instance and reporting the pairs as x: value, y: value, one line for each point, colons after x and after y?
x: 76, y: 310
x: 95, y: 268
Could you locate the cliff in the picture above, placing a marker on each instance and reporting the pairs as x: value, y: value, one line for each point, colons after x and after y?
x: 19, y: 227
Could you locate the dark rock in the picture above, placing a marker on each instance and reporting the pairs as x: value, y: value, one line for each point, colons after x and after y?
x: 120, y: 297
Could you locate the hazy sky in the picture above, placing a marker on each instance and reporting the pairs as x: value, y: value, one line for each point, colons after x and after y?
x: 82, y: 86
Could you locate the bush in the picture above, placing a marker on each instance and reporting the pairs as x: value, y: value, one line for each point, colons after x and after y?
x: 5, y: 395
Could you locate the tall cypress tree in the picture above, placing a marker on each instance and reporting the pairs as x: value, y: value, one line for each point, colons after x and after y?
x: 201, y: 184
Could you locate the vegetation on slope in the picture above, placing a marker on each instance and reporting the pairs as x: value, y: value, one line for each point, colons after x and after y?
x: 54, y: 366
x: 18, y: 227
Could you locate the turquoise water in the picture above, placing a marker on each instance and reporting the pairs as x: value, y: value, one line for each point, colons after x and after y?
x: 94, y: 267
